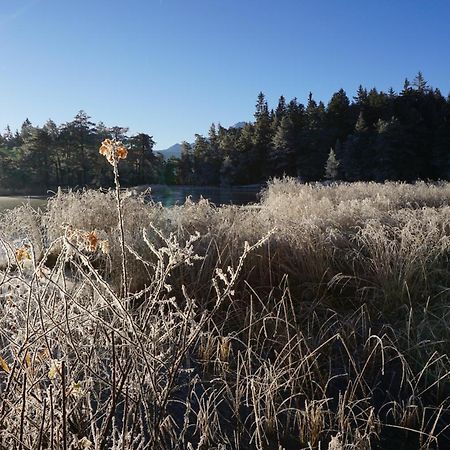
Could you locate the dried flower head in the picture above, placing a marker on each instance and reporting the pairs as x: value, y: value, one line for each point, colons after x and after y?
x: 113, y: 150
x: 91, y: 241
x: 85, y: 240
x: 105, y: 148
x: 22, y: 255
x: 121, y: 152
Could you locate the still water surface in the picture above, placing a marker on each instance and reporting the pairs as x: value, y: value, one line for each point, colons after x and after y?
x: 176, y: 195
x: 12, y: 202
x: 167, y: 195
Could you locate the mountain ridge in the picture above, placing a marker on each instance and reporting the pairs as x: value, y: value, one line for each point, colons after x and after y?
x: 175, y: 149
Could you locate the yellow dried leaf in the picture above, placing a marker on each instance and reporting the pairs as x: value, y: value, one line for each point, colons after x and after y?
x: 4, y: 365
x: 55, y: 369
x: 28, y: 359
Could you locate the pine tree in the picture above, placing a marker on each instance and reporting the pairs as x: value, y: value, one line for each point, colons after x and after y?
x: 141, y: 160
x: 357, y: 154
x: 361, y: 96
x: 54, y: 149
x: 313, y: 141
x: 81, y: 151
x: 282, y: 156
x: 262, y: 109
x: 406, y: 87
x: 386, y: 164
x: 186, y: 166
x: 37, y: 159
x: 339, y: 116
x: 419, y: 83
x: 119, y: 133
x: 9, y: 138
x: 262, y: 139
x: 281, y: 108
x: 332, y: 166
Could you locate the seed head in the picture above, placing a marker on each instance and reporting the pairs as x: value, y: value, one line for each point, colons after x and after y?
x: 113, y: 150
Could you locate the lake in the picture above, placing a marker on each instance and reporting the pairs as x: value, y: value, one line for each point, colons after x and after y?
x: 176, y: 195
x: 12, y: 202
x: 167, y: 195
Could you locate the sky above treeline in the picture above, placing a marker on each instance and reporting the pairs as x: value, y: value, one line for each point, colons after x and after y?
x: 172, y: 67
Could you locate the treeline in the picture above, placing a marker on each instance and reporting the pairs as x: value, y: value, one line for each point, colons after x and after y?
x: 375, y: 136
x: 37, y: 159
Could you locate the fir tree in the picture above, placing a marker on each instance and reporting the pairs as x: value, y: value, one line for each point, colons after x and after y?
x: 332, y: 166
x: 419, y: 83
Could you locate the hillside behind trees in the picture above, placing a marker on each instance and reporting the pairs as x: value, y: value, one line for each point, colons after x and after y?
x: 375, y: 136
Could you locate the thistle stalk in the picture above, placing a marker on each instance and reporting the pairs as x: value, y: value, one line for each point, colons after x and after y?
x: 124, y: 287
x: 113, y: 150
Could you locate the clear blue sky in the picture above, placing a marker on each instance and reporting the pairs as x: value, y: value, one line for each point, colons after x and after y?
x: 171, y: 67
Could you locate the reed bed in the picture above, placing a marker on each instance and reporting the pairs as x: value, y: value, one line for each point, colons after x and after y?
x: 315, y: 319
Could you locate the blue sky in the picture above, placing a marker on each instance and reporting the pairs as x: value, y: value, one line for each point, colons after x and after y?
x: 171, y: 67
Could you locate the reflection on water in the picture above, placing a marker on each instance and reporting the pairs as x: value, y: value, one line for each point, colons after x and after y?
x: 13, y: 202
x: 176, y: 195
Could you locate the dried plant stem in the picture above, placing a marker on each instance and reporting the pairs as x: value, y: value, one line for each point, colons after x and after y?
x: 41, y: 428
x: 22, y: 413
x: 124, y: 284
x: 52, y: 418
x: 64, y: 405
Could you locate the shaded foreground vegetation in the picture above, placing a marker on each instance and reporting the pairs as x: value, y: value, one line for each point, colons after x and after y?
x: 315, y: 319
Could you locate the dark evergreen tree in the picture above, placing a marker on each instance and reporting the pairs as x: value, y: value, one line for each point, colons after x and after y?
x: 419, y: 83
x: 389, y: 162
x: 313, y: 142
x: 339, y: 116
x: 141, y: 160
x: 283, y: 151
x: 79, y: 150
x: 186, y: 166
x: 206, y: 162
x: 358, y: 157
x: 262, y: 139
x: 361, y: 97
x: 38, y: 158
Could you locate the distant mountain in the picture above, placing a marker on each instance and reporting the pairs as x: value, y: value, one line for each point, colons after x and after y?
x: 175, y: 149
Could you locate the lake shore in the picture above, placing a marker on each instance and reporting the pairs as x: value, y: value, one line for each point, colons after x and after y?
x: 168, y: 195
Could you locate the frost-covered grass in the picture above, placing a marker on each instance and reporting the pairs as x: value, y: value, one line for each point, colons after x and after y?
x: 317, y: 318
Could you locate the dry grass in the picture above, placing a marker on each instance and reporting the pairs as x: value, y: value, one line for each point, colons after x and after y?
x: 328, y: 331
